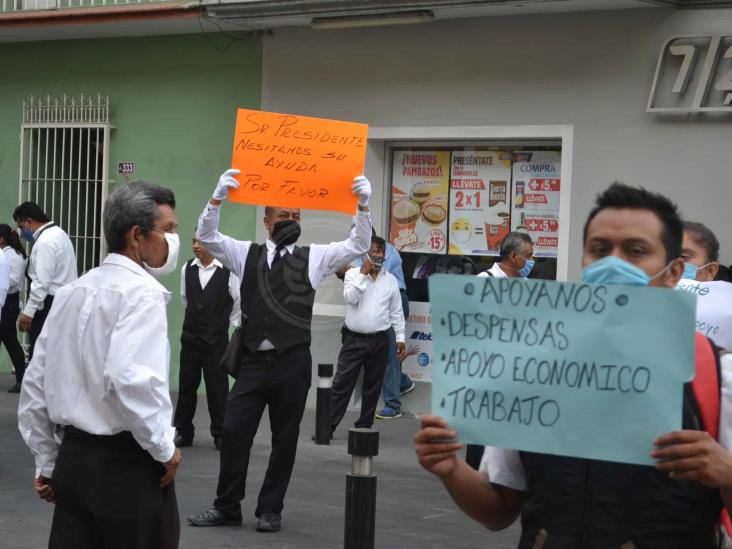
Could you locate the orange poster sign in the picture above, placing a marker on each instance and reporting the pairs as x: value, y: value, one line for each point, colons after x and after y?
x: 297, y: 161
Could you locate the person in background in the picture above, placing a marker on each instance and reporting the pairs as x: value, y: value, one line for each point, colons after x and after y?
x: 396, y: 383
x: 516, y: 257
x: 4, y: 281
x: 516, y: 260
x: 52, y: 264
x: 98, y: 382
x: 631, y: 237
x: 210, y: 296
x: 278, y: 281
x: 15, y: 256
x: 700, y: 252
x: 373, y: 306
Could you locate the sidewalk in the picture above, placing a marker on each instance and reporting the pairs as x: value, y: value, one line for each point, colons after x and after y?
x: 413, y: 509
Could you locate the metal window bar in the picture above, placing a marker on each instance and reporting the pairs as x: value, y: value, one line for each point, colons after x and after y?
x: 64, y: 155
x: 10, y: 6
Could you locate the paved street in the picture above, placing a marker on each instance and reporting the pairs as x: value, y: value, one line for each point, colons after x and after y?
x: 413, y: 510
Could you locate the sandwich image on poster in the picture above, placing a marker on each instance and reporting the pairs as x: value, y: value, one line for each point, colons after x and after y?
x: 479, y: 201
x: 419, y: 205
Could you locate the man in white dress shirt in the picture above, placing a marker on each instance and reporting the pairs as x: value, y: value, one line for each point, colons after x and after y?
x: 516, y: 257
x: 631, y: 237
x: 51, y: 265
x: 516, y: 260
x: 278, y: 281
x: 99, y: 383
x: 373, y: 305
x: 210, y: 296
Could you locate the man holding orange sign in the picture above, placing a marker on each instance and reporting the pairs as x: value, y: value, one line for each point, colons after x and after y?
x: 277, y: 295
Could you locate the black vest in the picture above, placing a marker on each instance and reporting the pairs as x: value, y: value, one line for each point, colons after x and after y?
x: 584, y: 503
x: 277, y: 303
x: 208, y: 309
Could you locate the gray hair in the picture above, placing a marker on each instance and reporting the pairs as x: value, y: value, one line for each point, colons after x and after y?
x: 513, y: 242
x: 135, y: 203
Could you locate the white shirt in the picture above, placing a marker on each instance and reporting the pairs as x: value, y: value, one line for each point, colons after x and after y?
x: 504, y: 466
x: 4, y: 278
x: 101, y: 364
x: 373, y: 305
x: 325, y: 259
x: 204, y: 276
x: 495, y: 270
x: 17, y: 269
x: 52, y: 264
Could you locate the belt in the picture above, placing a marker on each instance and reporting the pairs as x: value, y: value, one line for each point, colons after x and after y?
x: 78, y: 433
x: 273, y: 352
x: 365, y: 336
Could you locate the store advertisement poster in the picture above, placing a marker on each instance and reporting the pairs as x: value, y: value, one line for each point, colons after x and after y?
x: 418, y: 329
x: 480, y: 188
x: 419, y: 201
x: 536, y: 189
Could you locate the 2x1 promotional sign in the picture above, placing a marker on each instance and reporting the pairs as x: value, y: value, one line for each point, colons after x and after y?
x: 297, y: 161
x: 562, y: 368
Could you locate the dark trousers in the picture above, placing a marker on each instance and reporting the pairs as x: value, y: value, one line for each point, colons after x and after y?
x: 9, y: 334
x: 197, y: 356
x: 108, y: 496
x: 359, y: 352
x: 279, y: 382
x: 474, y: 455
x: 39, y: 319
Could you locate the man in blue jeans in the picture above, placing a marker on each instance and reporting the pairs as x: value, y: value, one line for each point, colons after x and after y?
x: 395, y: 382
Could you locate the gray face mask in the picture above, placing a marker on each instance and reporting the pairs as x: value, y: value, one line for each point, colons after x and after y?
x: 378, y: 261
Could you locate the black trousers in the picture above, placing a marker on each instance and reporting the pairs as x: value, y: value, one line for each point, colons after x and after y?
x: 197, y: 356
x: 108, y: 496
x: 279, y: 382
x: 9, y: 334
x: 39, y: 319
x: 474, y: 455
x: 359, y: 351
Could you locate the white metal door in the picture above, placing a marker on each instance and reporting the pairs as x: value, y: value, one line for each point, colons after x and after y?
x: 64, y: 154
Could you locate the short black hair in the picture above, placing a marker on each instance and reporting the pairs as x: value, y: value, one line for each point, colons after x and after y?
x: 704, y: 237
x: 30, y: 210
x: 622, y: 196
x: 380, y: 242
x: 513, y: 242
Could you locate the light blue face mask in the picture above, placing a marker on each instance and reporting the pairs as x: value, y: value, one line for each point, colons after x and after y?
x: 690, y: 271
x: 613, y: 270
x: 526, y: 269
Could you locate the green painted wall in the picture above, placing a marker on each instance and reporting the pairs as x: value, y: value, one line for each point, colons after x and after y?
x: 173, y: 102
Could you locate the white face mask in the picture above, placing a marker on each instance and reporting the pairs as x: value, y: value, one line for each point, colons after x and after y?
x: 172, y: 262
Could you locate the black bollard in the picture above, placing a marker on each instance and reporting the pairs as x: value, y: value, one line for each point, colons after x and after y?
x: 363, y: 445
x: 322, y: 404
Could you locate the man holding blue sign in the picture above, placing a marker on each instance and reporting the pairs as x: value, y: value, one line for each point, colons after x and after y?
x: 581, y: 491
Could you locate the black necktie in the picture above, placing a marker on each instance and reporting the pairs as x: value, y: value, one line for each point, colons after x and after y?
x: 279, y: 252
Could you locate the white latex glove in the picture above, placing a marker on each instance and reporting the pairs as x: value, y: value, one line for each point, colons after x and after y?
x: 362, y: 188
x: 226, y: 182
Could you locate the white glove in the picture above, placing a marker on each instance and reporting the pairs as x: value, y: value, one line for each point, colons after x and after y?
x: 362, y: 188
x: 226, y: 182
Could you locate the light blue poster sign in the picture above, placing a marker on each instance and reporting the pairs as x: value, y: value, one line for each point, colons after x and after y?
x: 570, y: 369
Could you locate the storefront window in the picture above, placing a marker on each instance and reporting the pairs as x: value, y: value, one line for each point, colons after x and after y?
x: 452, y: 205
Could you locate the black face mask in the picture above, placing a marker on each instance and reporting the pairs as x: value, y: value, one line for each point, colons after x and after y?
x: 285, y: 232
